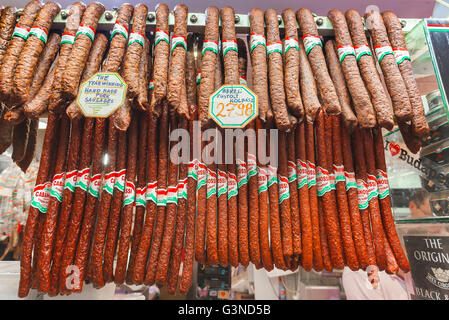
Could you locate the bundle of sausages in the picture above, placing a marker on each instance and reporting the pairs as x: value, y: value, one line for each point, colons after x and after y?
x: 122, y: 189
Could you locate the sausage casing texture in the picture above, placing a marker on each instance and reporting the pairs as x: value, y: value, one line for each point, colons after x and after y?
x: 161, y: 57
x: 368, y: 70
x: 80, y: 50
x: 259, y: 61
x: 31, y: 146
x: 275, y: 71
x: 19, y: 140
x: 16, y: 44
x: 73, y: 21
x: 294, y: 202
x: 308, y: 85
x: 348, y: 117
x: 230, y: 56
x: 291, y: 64
x: 393, y: 79
x: 26, y: 65
x: 420, y: 128
x: 208, y: 63
x: 7, y: 22
x: 361, y: 99
x: 316, y: 58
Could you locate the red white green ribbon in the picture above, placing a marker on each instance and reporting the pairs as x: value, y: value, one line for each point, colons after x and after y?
x: 94, y: 185
x: 291, y: 167
x: 182, y: 189
x: 401, y: 54
x: 67, y: 38
x: 178, y: 41
x: 130, y: 193
x: 362, y: 194
x: 41, y: 196
x: 256, y: 40
x: 120, y: 180
x: 350, y: 180
x: 222, y: 182
x: 311, y: 174
x: 274, y: 47
x: 242, y: 175
x: 361, y: 51
x: 57, y: 186
x: 39, y: 33
x: 311, y: 41
x: 211, y: 183
x: 193, y: 169
x: 209, y: 45
x: 151, y: 194
x: 290, y: 43
x: 119, y: 29
x: 344, y: 51
x: 151, y: 85
x: 82, y: 180
x: 301, y: 170
x: 141, y: 197
x: 243, y: 81
x: 229, y: 45
x: 172, y: 194
x: 109, y: 182
x: 382, y: 51
x: 339, y: 172
x: 284, y: 190
x: 262, y: 180
x: 86, y: 30
x: 252, y: 165
x: 161, y: 35
x: 232, y: 185
x: 70, y: 180
x: 21, y: 32
x: 323, y: 181
x: 162, y: 197
x: 136, y: 37
x: 382, y: 184
x: 372, y: 187
x: 198, y: 77
x: 202, y: 175
x: 272, y: 175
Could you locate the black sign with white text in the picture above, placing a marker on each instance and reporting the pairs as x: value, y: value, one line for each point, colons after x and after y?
x: 429, y: 262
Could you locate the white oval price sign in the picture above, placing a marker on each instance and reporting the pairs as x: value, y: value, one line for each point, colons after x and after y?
x: 102, y: 94
x: 233, y: 106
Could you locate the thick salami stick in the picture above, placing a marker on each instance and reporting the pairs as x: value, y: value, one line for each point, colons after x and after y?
x: 45, y: 61
x: 314, y: 50
x: 95, y: 270
x: 294, y: 200
x: 336, y: 73
x: 80, y: 50
x: 189, y: 250
x: 208, y: 63
x: 284, y: 199
x: 230, y: 49
x: 93, y: 64
x: 51, y: 216
x: 170, y: 215
x: 31, y: 145
x: 275, y: 223
x: 291, y: 67
x: 138, y: 273
x: 150, y: 274
x: 78, y: 203
x: 7, y: 22
x: 19, y: 140
x: 346, y: 54
x: 176, y: 74
x: 134, y: 53
x: 33, y: 213
x: 385, y: 204
x: 259, y: 61
x: 27, y: 62
x: 75, y: 14
x: 175, y: 260
x: 351, y: 191
x: 16, y: 44
x: 327, y: 196
x: 116, y: 206
x: 90, y: 213
x: 420, y: 128
x: 368, y: 70
x: 275, y: 71
x: 374, y: 241
x: 262, y: 182
x: 66, y: 205
x: 393, y: 79
x: 342, y: 199
x: 305, y: 207
x: 190, y: 71
x: 145, y: 74
x: 141, y: 188
x: 161, y: 57
x: 308, y: 85
x: 126, y: 219
x: 374, y: 209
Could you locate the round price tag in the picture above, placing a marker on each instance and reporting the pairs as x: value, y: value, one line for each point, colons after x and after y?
x: 233, y: 106
x: 102, y: 94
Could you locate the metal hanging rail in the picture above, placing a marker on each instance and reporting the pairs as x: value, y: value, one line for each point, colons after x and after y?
x: 197, y: 21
